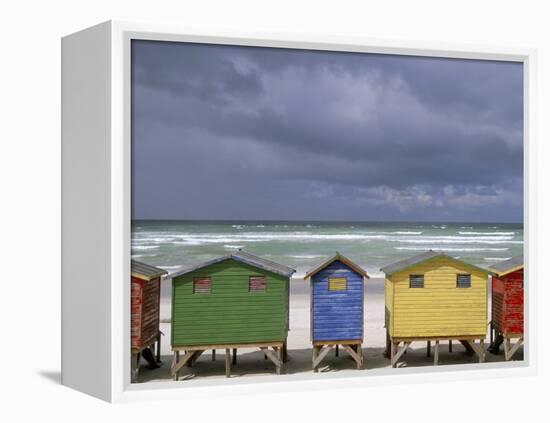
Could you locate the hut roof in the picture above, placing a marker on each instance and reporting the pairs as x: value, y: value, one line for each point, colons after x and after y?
x: 507, y: 266
x: 337, y: 257
x: 420, y: 258
x: 146, y: 271
x: 243, y: 257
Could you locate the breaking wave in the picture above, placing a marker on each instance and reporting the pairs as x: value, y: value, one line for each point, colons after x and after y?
x: 449, y: 249
x: 486, y: 233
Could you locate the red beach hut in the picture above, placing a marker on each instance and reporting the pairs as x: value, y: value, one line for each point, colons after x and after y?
x: 145, y: 305
x: 507, y: 306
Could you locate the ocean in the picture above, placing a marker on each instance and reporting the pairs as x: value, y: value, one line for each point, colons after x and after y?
x: 302, y: 245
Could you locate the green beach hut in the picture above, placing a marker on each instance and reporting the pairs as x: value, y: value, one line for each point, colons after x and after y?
x: 235, y: 301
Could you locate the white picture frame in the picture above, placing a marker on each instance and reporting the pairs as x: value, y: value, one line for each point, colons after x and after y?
x: 96, y: 212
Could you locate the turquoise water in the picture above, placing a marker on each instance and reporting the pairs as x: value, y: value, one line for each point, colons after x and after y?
x: 302, y: 245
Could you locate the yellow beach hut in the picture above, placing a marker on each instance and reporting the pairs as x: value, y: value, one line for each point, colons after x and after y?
x: 435, y: 297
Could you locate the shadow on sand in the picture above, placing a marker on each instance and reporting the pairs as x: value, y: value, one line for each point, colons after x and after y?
x: 251, y: 363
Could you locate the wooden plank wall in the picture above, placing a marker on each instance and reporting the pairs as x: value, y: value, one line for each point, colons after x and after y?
x: 497, y: 304
x: 150, y: 310
x: 440, y: 308
x: 514, y: 303
x: 230, y: 314
x: 388, y: 299
x: 135, y: 304
x: 337, y: 315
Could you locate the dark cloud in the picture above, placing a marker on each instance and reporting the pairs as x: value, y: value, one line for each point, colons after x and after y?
x: 257, y: 133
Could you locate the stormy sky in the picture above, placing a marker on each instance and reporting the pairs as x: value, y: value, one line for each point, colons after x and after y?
x: 228, y: 132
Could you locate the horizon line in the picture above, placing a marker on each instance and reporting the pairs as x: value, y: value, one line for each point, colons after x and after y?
x: 324, y: 221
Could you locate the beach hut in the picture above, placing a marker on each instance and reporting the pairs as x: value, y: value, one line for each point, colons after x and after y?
x: 235, y: 301
x: 507, y: 306
x: 435, y: 297
x: 337, y: 308
x: 145, y: 311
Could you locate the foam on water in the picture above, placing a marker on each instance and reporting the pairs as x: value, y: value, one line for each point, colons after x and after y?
x: 449, y: 249
x: 310, y: 256
x: 303, y: 245
x: 458, y: 241
x: 486, y: 233
x: 252, y: 237
x: 497, y: 258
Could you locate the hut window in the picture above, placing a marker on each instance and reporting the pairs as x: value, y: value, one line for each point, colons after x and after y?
x: 257, y: 284
x: 416, y: 281
x: 202, y: 285
x: 337, y: 284
x: 463, y: 281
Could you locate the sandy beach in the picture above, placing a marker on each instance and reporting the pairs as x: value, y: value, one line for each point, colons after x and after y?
x: 250, y: 362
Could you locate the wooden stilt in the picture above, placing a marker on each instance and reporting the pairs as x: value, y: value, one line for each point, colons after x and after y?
x: 393, y: 346
x: 314, y: 358
x: 482, y: 351
x: 478, y: 349
x: 428, y: 348
x: 388, y: 345
x: 285, y: 352
x: 467, y: 346
x: 158, y: 347
x: 400, y: 352
x: 509, y: 349
x: 135, y: 367
x: 336, y: 351
x: 321, y: 353
x: 195, y: 357
x: 177, y: 364
x: 193, y: 352
x: 227, y: 362
x: 450, y: 345
x: 175, y: 359
x: 275, y: 358
x: 436, y: 352
x: 355, y: 354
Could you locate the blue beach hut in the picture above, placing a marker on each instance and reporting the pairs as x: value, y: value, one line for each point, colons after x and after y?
x: 337, y: 308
